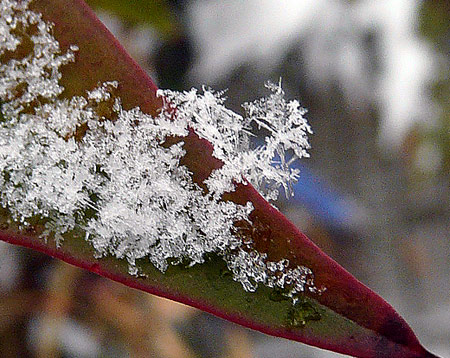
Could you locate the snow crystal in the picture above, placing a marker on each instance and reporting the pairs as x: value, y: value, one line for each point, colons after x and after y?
x: 62, y: 161
x: 252, y: 267
x: 264, y: 166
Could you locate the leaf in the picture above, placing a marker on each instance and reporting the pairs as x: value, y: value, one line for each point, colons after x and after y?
x: 152, y: 12
x: 348, y: 317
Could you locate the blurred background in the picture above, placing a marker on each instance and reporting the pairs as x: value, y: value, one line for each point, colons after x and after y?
x: 375, y: 194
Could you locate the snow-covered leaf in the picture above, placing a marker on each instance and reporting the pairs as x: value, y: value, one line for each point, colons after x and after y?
x: 157, y: 190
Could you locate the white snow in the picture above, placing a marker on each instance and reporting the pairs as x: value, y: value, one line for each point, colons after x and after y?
x: 118, y: 183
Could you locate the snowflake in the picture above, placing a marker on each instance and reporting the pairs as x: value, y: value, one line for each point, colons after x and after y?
x: 264, y: 166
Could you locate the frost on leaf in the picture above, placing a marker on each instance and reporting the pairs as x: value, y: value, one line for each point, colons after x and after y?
x: 265, y: 166
x: 63, y: 161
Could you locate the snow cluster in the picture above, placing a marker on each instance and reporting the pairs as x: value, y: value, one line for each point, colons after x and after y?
x: 264, y: 166
x: 34, y: 76
x: 62, y: 161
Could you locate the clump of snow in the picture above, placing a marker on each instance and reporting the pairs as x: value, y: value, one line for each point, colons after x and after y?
x: 35, y: 76
x: 62, y: 161
x: 252, y: 267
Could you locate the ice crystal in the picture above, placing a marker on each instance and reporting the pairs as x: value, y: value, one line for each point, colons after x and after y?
x: 252, y: 267
x: 264, y: 166
x: 62, y: 161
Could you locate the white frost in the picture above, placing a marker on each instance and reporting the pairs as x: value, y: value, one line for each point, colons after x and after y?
x: 60, y: 160
x: 265, y: 166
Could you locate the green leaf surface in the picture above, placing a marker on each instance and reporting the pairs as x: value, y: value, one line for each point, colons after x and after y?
x: 348, y: 317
